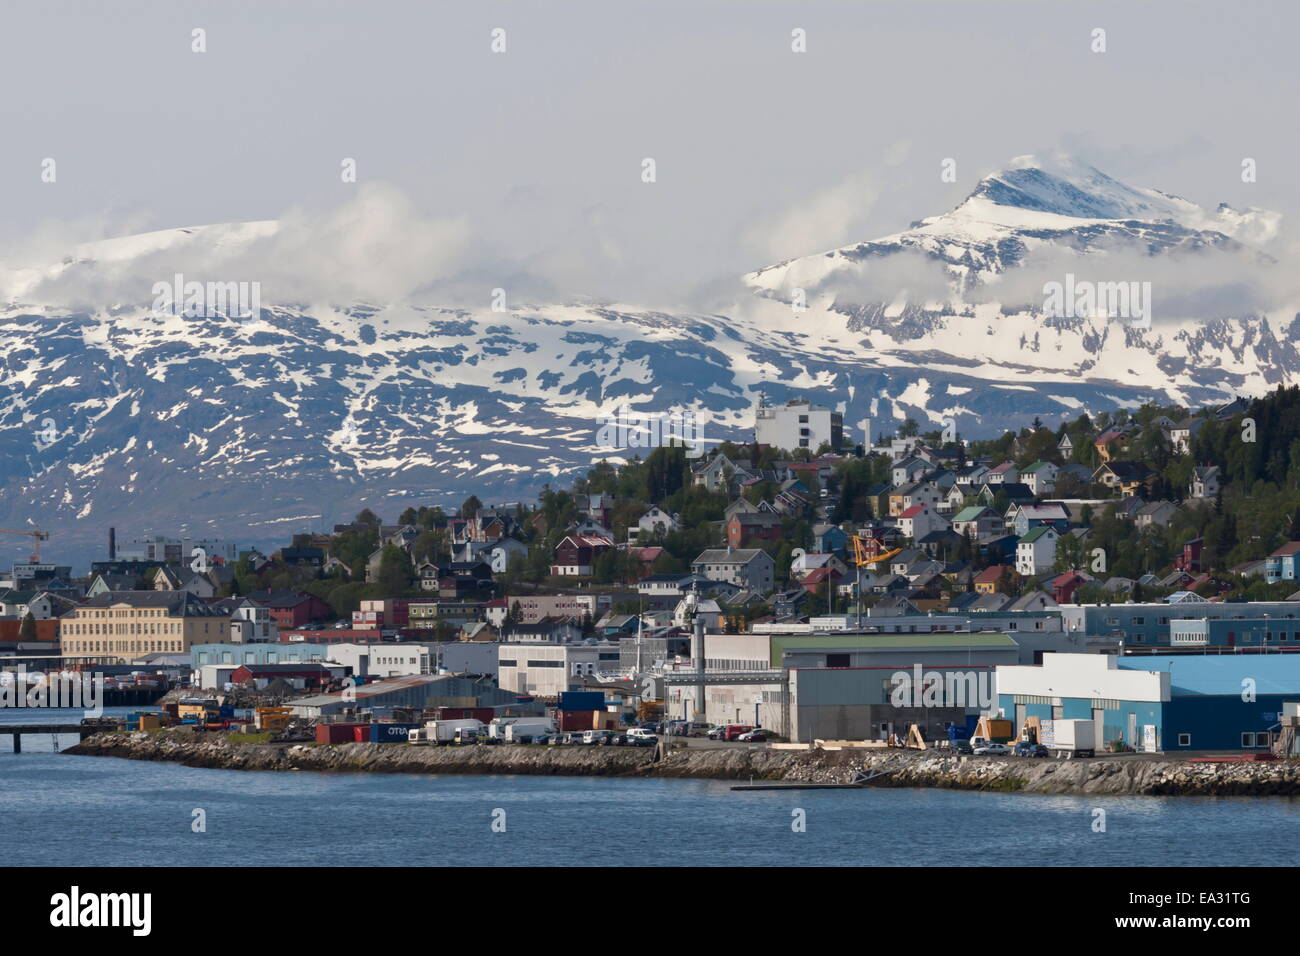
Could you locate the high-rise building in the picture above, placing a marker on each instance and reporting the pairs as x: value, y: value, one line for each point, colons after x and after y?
x: 797, y: 424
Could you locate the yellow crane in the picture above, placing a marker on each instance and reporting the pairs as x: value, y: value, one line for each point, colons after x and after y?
x: 866, y: 552
x: 36, y: 536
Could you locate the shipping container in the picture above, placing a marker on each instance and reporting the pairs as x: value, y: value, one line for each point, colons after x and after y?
x: 391, y: 732
x: 576, y: 719
x: 582, y: 700
x: 337, y: 733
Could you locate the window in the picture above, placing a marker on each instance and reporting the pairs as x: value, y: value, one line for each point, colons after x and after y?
x: 837, y: 660
x: 1184, y: 740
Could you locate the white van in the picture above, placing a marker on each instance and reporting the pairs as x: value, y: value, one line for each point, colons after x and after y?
x: 596, y: 736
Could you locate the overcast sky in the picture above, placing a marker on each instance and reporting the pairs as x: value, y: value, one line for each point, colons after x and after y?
x: 536, y: 153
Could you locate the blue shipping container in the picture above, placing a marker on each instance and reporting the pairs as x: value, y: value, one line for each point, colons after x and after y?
x: 582, y: 700
x: 391, y: 733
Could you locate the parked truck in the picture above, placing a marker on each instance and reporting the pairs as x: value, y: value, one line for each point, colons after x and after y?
x: 1069, y: 738
x: 445, y: 731
x: 527, y: 729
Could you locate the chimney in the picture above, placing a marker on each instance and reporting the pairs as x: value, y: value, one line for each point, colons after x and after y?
x: 112, y: 544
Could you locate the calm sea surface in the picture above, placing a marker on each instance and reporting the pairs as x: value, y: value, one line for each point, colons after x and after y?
x: 95, y: 811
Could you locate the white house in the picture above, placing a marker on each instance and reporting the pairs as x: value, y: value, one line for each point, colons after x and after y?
x: 919, y: 520
x: 1205, y: 482
x: 1040, y: 477
x: 1036, y: 551
x: 654, y: 523
x: 1004, y: 474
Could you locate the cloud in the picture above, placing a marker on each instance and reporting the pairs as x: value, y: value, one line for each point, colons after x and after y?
x: 825, y: 219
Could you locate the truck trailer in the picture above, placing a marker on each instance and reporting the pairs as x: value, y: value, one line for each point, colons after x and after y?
x: 1070, y: 738
x: 445, y: 731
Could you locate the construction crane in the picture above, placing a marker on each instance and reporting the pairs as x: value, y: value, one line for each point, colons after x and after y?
x: 36, y: 536
x: 866, y: 553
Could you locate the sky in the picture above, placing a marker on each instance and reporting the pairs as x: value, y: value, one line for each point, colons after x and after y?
x: 524, y: 167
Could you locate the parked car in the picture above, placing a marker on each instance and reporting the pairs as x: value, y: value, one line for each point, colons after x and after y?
x: 757, y: 735
x: 642, y: 741
x: 1026, y: 749
x: 639, y: 732
x: 961, y: 747
x: 733, y: 731
x: 992, y: 750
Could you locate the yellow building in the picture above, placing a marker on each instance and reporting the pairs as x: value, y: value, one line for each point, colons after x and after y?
x: 130, y: 624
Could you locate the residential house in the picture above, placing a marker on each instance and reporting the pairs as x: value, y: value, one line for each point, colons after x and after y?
x: 1003, y: 474
x: 1283, y: 563
x: 1110, y: 443
x: 1040, y: 477
x: 576, y: 555
x: 987, y: 581
x: 830, y: 537
x: 1181, y: 435
x: 1205, y: 482
x: 976, y: 522
x: 908, y: 471
x: 742, y: 529
x: 1190, y: 558
x: 292, y: 609
x: 748, y: 568
x: 1021, y: 519
x: 1130, y: 477
x: 655, y: 523
x: 1156, y: 514
x: 919, y: 520
x: 1036, y: 551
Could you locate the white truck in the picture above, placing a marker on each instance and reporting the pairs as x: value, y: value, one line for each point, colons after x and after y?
x: 528, y: 727
x: 444, y: 731
x: 1069, y: 738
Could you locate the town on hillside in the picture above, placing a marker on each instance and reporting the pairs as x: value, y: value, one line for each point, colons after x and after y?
x: 773, y: 589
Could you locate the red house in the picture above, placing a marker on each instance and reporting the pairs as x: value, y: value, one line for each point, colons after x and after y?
x: 814, y: 579
x: 1190, y: 559
x: 575, y: 555
x: 1065, y: 585
x: 292, y: 609
x: 745, y: 527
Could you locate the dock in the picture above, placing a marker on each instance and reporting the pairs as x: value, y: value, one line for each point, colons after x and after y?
x: 17, y: 730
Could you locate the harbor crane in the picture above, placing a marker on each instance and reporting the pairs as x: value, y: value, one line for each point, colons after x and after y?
x: 36, y: 536
x: 867, y: 553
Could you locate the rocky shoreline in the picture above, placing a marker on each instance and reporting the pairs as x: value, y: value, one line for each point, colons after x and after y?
x: 1105, y: 775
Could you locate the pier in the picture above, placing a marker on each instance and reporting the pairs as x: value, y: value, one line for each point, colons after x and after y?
x: 17, y: 730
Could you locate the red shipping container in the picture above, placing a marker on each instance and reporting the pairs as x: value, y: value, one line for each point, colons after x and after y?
x: 577, y: 719
x: 338, y: 733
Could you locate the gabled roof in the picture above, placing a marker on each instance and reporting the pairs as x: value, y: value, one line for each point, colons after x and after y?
x: 1127, y: 470
x: 1041, y: 531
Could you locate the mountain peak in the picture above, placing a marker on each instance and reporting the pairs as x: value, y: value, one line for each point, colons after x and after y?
x: 1062, y: 185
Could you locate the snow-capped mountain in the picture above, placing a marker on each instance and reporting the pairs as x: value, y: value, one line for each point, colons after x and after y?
x: 119, y: 413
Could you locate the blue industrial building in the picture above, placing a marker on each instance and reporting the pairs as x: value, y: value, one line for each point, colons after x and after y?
x: 269, y: 653
x: 1158, y: 703
x: 1149, y: 625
